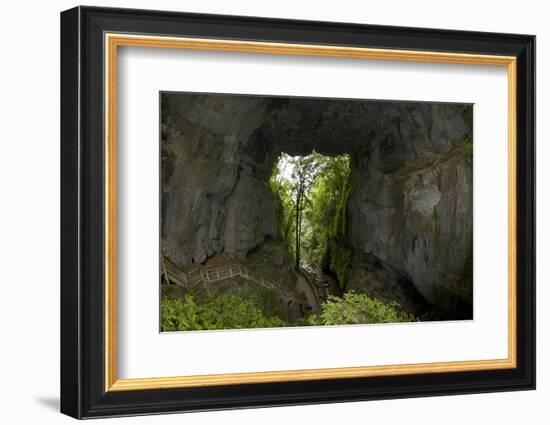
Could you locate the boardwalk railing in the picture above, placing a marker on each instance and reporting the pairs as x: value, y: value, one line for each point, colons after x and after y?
x: 215, y: 273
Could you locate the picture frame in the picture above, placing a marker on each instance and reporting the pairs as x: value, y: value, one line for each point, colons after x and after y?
x: 90, y: 40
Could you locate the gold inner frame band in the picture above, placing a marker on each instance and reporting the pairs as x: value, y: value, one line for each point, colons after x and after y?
x: 113, y: 41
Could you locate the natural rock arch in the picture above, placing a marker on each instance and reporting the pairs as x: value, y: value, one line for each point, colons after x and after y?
x: 410, y: 216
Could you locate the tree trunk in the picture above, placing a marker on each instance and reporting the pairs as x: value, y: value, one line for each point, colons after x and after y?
x: 298, y: 215
x: 300, y: 231
x: 288, y: 225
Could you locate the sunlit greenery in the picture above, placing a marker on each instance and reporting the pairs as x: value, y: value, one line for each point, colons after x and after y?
x: 354, y: 308
x: 293, y: 180
x: 311, y: 198
x: 312, y: 194
x: 220, y: 312
x: 233, y: 312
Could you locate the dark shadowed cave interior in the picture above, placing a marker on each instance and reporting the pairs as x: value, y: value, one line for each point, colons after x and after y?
x: 408, y: 218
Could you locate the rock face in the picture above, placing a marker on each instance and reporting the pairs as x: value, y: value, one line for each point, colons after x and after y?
x: 214, y: 197
x: 409, y: 216
x: 418, y: 220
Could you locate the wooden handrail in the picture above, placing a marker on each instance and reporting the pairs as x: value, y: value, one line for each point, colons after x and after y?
x: 216, y: 273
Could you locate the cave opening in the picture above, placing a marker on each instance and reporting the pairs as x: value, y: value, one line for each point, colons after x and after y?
x: 383, y: 215
x: 311, y: 193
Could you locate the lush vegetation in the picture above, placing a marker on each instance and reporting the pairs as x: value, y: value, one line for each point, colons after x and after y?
x: 233, y: 312
x: 327, y: 215
x: 292, y: 182
x: 354, y: 308
x: 312, y: 194
x: 220, y: 312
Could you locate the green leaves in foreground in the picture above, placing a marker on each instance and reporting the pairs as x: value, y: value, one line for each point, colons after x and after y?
x: 221, y: 312
x: 233, y: 312
x: 356, y: 308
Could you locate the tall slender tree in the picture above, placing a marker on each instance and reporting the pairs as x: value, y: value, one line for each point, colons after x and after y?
x: 305, y: 170
x: 310, y: 192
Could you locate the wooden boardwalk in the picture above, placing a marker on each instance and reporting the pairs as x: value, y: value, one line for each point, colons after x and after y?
x: 195, y: 274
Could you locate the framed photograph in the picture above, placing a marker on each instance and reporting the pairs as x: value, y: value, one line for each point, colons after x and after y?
x: 261, y: 212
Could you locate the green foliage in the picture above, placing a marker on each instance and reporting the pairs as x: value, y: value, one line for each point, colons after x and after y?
x: 284, y: 201
x: 328, y: 217
x: 291, y: 182
x: 284, y: 214
x: 327, y: 183
x: 232, y: 312
x: 220, y: 312
x: 467, y: 148
x: 179, y: 314
x: 341, y: 259
x: 356, y: 308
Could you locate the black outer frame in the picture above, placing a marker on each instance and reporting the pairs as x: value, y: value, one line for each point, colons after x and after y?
x: 82, y: 217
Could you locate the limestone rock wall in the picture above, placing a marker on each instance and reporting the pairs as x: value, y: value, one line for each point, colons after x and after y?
x: 418, y: 220
x: 214, y: 197
x: 410, y: 210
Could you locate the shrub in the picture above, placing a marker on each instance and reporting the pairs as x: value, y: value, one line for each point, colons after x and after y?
x: 220, y: 312
x: 179, y: 314
x: 354, y: 308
